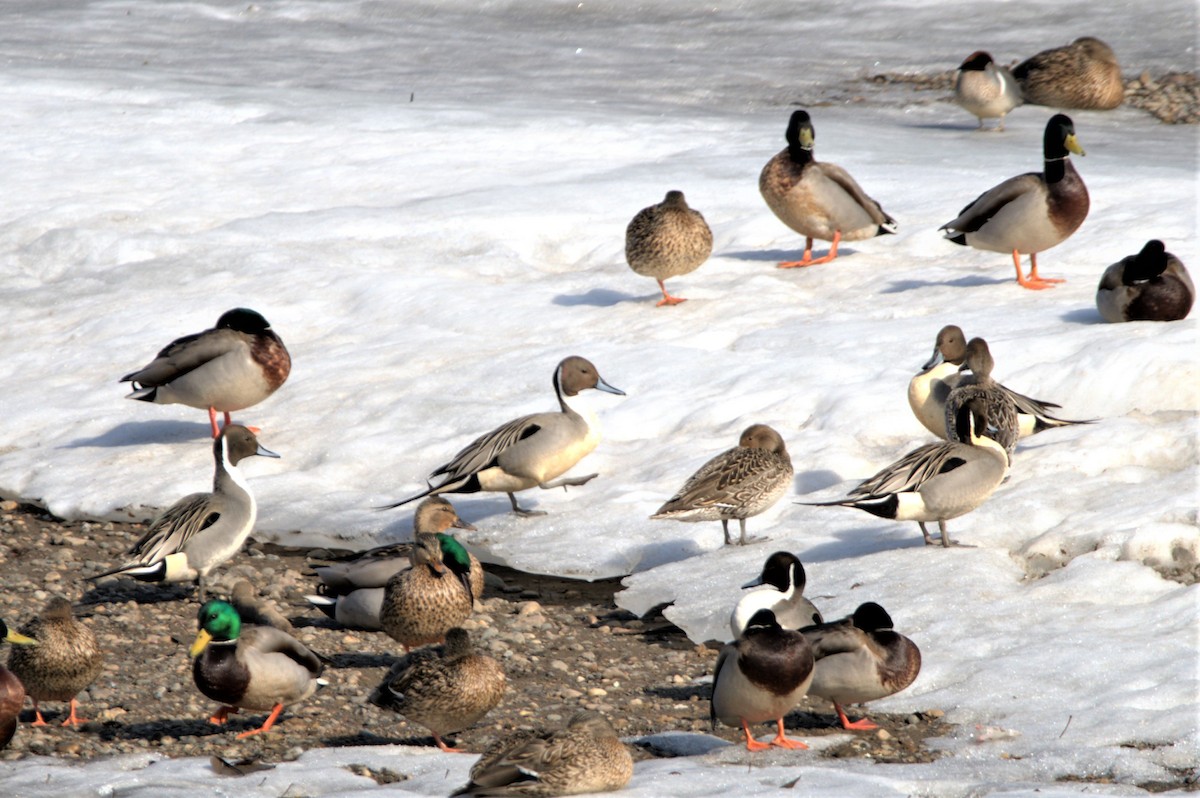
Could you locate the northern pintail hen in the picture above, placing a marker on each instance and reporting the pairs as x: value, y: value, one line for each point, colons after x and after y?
x: 530, y: 451
x: 782, y: 581
x: 935, y: 482
x: 12, y: 692
x: 1152, y: 285
x: 250, y: 667
x: 1029, y: 213
x: 236, y: 364
x: 424, y: 602
x: 995, y: 409
x: 861, y: 658
x: 928, y: 389
x: 585, y: 757
x: 666, y: 240
x: 818, y: 199
x: 760, y: 677
x: 738, y: 483
x: 1083, y: 74
x: 351, y: 592
x: 445, y: 691
x: 202, y: 530
x: 64, y: 663
x: 986, y: 89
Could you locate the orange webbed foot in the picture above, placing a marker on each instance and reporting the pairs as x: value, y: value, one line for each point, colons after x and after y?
x: 781, y: 741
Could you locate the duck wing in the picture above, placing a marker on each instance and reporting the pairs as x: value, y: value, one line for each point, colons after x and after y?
x: 913, y: 470
x: 848, y: 184
x: 184, y: 355
x: 976, y: 214
x: 482, y: 452
x: 269, y: 640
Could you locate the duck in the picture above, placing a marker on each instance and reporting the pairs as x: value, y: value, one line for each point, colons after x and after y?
x: 1029, y: 213
x: 760, y: 677
x: 585, y: 757
x: 12, y: 692
x: 250, y: 667
x: 65, y: 661
x: 236, y: 364
x: 986, y: 89
x: 987, y: 396
x: 1152, y: 285
x: 818, y: 199
x: 860, y: 658
x: 202, y: 530
x: 424, y: 602
x: 530, y: 451
x: 783, y: 594
x: 928, y: 389
x: 1083, y: 74
x: 666, y: 240
x: 444, y: 693
x: 351, y: 592
x: 934, y: 482
x: 739, y: 483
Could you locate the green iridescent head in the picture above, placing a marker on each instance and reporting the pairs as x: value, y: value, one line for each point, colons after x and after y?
x: 218, y: 620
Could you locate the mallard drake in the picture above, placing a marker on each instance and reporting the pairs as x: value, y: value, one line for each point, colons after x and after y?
x: 760, y: 677
x: 935, y: 482
x: 12, y: 692
x: 424, y: 602
x: 529, y: 451
x: 585, y: 757
x: 667, y: 240
x: 996, y: 412
x: 928, y: 389
x: 1083, y: 74
x: 783, y: 594
x: 235, y: 365
x: 1152, y: 285
x: 860, y: 658
x: 738, y: 483
x: 252, y: 667
x: 351, y: 592
x: 202, y: 530
x: 986, y: 89
x: 445, y: 693
x: 1029, y: 213
x: 818, y: 199
x: 63, y: 663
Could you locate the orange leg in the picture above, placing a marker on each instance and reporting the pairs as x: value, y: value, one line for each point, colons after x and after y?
x: 1033, y: 275
x: 785, y: 742
x: 212, y: 419
x: 808, y: 260
x: 858, y: 725
x: 270, y: 721
x: 38, y: 719
x: 1033, y: 282
x: 751, y: 743
x: 222, y: 715
x: 73, y: 719
x: 449, y: 750
x: 667, y: 298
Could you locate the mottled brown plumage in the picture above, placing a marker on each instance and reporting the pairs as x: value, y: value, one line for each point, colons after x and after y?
x: 423, y: 603
x: 1083, y: 74
x: 667, y: 240
x: 443, y: 691
x: 991, y: 403
x: 585, y: 757
x: 65, y: 661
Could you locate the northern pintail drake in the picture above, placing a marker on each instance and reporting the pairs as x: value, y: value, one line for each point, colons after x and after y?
x: 985, y: 89
x: 760, y: 677
x: 424, y: 602
x: 530, y: 451
x: 996, y: 412
x: 738, y: 483
x: 929, y: 388
x: 12, y: 692
x: 782, y: 581
x: 666, y: 240
x: 65, y: 661
x: 250, y: 667
x: 818, y: 199
x: 1152, y: 285
x: 861, y: 658
x: 935, y: 482
x: 236, y: 364
x: 585, y: 757
x: 445, y: 691
x: 202, y: 530
x: 351, y: 592
x: 1083, y: 74
x: 1029, y: 213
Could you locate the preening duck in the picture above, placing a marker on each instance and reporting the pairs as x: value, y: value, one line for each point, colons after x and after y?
x: 986, y: 89
x: 1152, y: 285
x: 782, y: 581
x: 1083, y: 74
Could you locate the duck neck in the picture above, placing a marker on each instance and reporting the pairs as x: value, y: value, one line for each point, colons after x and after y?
x: 800, y: 155
x: 1055, y: 169
x: 228, y: 479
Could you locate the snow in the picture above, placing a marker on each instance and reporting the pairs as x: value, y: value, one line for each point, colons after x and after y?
x: 428, y: 201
